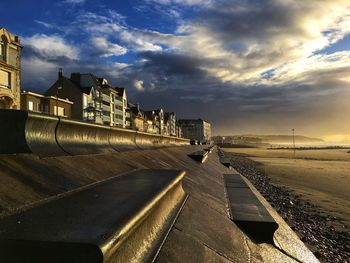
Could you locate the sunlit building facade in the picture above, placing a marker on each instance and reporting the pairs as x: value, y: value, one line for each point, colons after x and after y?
x: 198, y: 130
x: 10, y: 70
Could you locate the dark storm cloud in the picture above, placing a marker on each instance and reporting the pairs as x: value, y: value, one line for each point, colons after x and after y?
x: 251, y: 19
x: 212, y: 66
x: 172, y: 64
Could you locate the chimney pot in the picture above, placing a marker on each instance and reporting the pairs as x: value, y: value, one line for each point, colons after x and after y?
x: 60, y: 73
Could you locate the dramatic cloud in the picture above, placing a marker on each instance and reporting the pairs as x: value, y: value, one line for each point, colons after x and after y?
x: 138, y: 84
x: 104, y: 48
x: 31, y: 80
x: 51, y: 46
x: 247, y: 66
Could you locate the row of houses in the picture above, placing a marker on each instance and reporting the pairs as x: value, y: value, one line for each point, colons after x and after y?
x: 86, y: 97
x: 92, y: 99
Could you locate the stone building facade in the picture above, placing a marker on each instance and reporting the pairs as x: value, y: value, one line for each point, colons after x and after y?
x: 10, y: 70
x: 198, y: 130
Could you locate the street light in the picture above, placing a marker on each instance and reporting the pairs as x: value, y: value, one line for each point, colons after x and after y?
x: 58, y: 88
x: 293, y: 142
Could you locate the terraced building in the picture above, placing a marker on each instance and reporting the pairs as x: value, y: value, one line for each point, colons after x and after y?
x: 10, y: 70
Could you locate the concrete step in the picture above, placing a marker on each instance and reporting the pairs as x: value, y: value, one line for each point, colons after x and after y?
x: 199, y: 156
x: 123, y: 219
x: 209, y: 149
x: 248, y: 213
x: 225, y: 161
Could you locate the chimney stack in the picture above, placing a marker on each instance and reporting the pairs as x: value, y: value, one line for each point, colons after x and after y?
x: 60, y: 73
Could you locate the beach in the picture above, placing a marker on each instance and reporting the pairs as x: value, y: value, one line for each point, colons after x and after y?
x: 310, y: 189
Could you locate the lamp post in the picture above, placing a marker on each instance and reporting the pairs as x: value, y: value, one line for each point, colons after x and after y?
x: 293, y: 142
x: 58, y: 88
x: 60, y: 75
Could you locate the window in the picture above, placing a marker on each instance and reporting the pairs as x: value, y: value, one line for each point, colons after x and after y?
x: 12, y: 59
x: 61, y: 111
x: 2, y: 49
x: 30, y: 105
x: 3, y: 44
x: 85, y: 101
x: 5, y: 79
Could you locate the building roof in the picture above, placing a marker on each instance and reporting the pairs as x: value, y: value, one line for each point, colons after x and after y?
x: 157, y: 112
x: 188, y: 121
x: 120, y: 91
x: 109, y: 87
x: 66, y: 82
x: 152, y: 114
x: 13, y: 39
x: 135, y: 108
x: 85, y: 82
x: 149, y: 115
x: 45, y: 96
x: 92, y: 82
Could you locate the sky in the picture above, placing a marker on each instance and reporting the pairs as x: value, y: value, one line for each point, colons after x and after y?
x: 246, y: 66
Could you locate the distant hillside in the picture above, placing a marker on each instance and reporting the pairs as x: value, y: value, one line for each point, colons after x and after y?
x: 284, y: 138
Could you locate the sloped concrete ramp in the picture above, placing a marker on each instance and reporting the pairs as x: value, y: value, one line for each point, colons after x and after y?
x: 203, y: 232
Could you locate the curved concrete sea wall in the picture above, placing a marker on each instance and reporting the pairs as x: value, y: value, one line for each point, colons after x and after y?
x: 122, y: 139
x: 25, y: 132
x: 147, y: 141
x: 40, y: 135
x: 78, y: 138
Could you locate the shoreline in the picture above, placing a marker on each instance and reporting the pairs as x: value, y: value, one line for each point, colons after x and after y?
x: 314, y: 227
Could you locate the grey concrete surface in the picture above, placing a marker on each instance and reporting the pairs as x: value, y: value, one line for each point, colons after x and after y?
x: 247, y: 212
x: 203, y: 232
x: 199, y: 156
x: 94, y: 221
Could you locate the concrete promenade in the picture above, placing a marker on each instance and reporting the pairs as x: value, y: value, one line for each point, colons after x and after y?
x: 203, y: 231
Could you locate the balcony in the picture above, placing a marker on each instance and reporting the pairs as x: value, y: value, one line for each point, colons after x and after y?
x: 106, y: 107
x: 119, y: 103
x: 118, y: 112
x: 106, y: 118
x: 106, y: 98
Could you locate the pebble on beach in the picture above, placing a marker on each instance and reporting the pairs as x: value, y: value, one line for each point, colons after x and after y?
x: 314, y: 228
